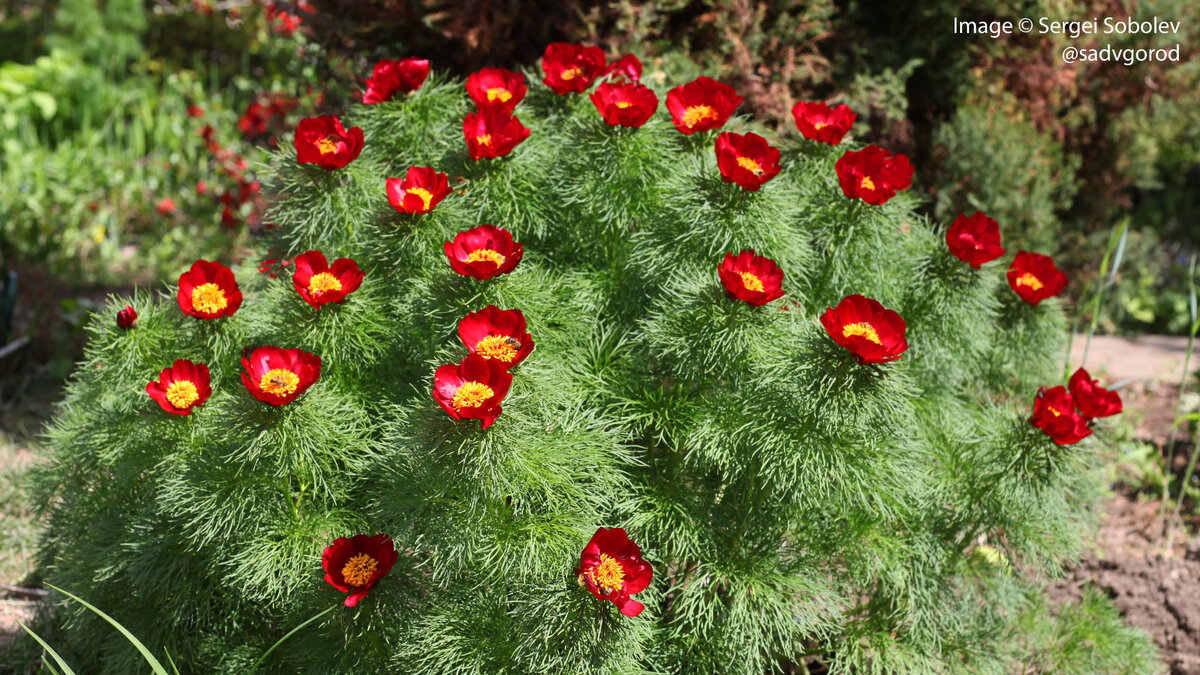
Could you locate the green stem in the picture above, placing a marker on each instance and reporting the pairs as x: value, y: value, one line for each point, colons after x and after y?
x: 1112, y: 255
x: 759, y: 495
x: 1191, y: 467
x: 285, y: 488
x: 1087, y: 344
x: 1187, y: 477
x: 1170, y: 454
x: 856, y: 207
x: 290, y: 633
x: 300, y: 502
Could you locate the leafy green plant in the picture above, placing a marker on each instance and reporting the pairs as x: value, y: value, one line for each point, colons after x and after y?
x: 151, y: 660
x: 998, y: 162
x: 118, y: 166
x: 794, y: 502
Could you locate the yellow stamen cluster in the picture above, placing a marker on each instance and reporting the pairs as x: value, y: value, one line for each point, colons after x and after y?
x: 359, y: 570
x: 571, y: 73
x: 323, y: 282
x: 471, y: 395
x: 327, y: 146
x: 623, y: 104
x: 751, y: 281
x: 608, y: 576
x: 698, y: 113
x: 182, y: 393
x: 1053, y: 411
x: 498, y: 94
x: 485, y: 139
x: 425, y: 195
x: 279, y: 382
x: 209, y: 298
x: 866, y: 183
x: 1031, y: 281
x: 481, y: 254
x: 750, y: 165
x: 498, y: 347
x: 820, y: 125
x: 862, y: 329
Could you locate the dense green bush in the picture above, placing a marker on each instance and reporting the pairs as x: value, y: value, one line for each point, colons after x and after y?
x: 794, y: 503
x: 1120, y: 138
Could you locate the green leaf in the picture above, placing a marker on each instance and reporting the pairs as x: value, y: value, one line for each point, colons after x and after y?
x: 45, y: 103
x: 1124, y: 231
x: 154, y: 664
x: 289, y: 634
x: 53, y: 654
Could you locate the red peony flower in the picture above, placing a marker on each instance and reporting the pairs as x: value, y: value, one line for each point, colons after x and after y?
x: 253, y: 122
x: 752, y: 278
x: 1034, y: 277
x: 1054, y: 413
x: 195, y: 111
x: 473, y: 389
x: 612, y: 568
x: 496, y: 334
x: 571, y: 68
x: 228, y: 219
x: 484, y: 252
x: 354, y: 565
x: 183, y: 386
x: 626, y: 105
x: 818, y: 122
x: 870, y: 332
x: 278, y: 376
x: 393, y: 77
x: 628, y: 67
x: 247, y: 190
x: 166, y: 206
x: 496, y: 88
x: 746, y: 159
x: 127, y: 318
x: 208, y: 291
x: 209, y: 135
x: 421, y: 189
x: 285, y: 22
x: 702, y: 105
x: 873, y: 174
x: 974, y: 240
x: 1092, y: 399
x: 325, y: 142
x: 492, y: 133
x: 319, y: 283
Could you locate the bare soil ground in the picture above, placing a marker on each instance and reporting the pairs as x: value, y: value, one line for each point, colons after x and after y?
x: 1154, y: 588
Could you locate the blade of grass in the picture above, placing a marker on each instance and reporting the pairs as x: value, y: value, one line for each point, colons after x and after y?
x: 154, y: 664
x: 1170, y: 453
x: 289, y: 634
x: 1118, y: 239
x: 53, y: 654
x: 1191, y: 467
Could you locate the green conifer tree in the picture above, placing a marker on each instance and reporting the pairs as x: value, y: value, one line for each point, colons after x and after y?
x: 792, y: 501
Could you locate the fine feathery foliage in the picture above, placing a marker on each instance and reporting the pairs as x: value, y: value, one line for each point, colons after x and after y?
x: 792, y: 501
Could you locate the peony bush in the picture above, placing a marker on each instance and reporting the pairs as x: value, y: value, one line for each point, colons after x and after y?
x: 592, y: 385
